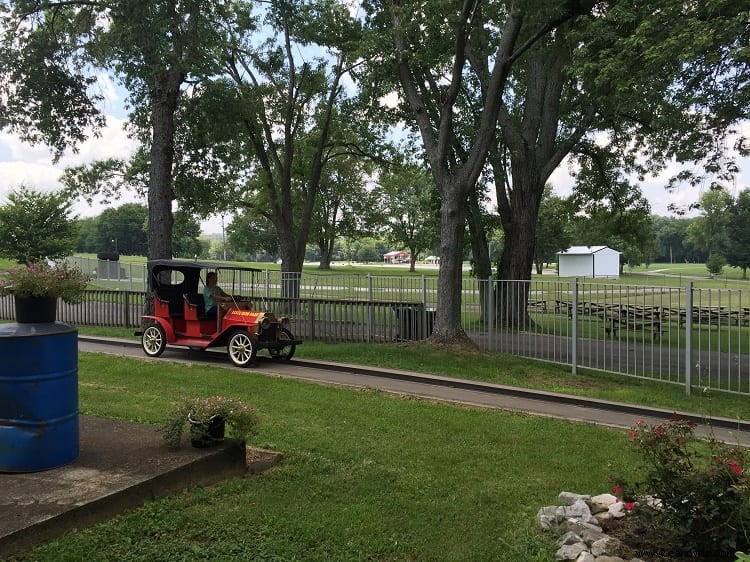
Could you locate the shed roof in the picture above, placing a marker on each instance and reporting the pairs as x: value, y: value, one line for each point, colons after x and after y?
x: 585, y: 250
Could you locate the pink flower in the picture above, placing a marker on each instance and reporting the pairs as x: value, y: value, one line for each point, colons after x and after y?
x: 735, y: 467
x: 617, y: 489
x: 630, y: 506
x: 633, y: 433
x: 639, y: 421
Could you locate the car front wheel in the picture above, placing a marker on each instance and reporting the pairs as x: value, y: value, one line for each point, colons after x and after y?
x: 286, y: 352
x: 242, y: 348
x: 154, y: 340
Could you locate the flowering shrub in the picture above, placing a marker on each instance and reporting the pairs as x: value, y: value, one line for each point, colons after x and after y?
x: 239, y: 417
x: 696, y: 494
x: 41, y: 279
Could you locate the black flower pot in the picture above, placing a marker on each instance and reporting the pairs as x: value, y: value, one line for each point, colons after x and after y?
x: 206, y: 433
x: 32, y: 310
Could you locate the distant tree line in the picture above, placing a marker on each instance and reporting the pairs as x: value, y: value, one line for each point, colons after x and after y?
x: 719, y: 235
x: 35, y: 225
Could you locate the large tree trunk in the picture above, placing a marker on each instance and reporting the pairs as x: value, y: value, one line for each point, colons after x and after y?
x: 448, y: 329
x: 291, y: 266
x: 164, y: 98
x: 326, y: 253
x: 532, y: 146
x: 518, y: 257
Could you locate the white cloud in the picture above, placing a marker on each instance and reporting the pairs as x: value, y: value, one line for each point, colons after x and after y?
x: 32, y: 174
x: 15, y: 149
x: 33, y: 166
x: 390, y: 100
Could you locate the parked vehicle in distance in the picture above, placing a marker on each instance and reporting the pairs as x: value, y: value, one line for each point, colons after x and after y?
x: 176, y: 313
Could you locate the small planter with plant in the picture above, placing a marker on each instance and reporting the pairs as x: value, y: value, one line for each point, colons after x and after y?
x: 207, y: 419
x: 43, y: 279
x: 37, y: 286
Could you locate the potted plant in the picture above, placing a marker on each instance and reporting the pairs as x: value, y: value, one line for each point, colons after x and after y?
x: 37, y: 286
x: 207, y: 419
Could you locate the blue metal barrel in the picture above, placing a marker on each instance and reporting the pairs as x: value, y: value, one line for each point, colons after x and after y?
x: 38, y: 396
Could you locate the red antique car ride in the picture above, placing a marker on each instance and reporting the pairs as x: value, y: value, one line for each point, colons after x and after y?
x: 176, y: 315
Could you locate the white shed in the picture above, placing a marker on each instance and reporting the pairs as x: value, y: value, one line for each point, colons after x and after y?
x: 588, y: 261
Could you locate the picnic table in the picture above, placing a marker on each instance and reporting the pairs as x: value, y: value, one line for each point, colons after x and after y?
x: 632, y: 317
x: 715, y: 316
x: 584, y: 307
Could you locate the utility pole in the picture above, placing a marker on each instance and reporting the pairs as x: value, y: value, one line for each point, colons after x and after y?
x: 223, y: 238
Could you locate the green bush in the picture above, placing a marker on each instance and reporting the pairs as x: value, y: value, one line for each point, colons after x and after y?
x: 715, y: 264
x: 695, y: 494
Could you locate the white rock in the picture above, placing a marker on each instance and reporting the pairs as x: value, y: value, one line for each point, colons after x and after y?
x: 570, y: 551
x: 569, y: 498
x: 603, y: 517
x: 579, y: 527
x: 585, y: 557
x: 590, y: 537
x: 601, y: 502
x: 607, y: 546
x: 578, y: 510
x: 546, y: 517
x: 617, y: 510
x: 547, y: 522
x: 569, y: 538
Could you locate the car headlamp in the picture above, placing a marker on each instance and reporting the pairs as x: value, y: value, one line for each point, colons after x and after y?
x: 265, y: 323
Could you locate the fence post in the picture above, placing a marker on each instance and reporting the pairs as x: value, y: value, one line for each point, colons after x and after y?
x: 311, y: 316
x: 268, y: 285
x: 426, y: 331
x: 574, y: 346
x: 490, y: 303
x: 688, y: 336
x: 126, y: 305
x: 370, y: 309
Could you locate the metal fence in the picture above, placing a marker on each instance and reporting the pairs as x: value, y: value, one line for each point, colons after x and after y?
x: 699, y: 338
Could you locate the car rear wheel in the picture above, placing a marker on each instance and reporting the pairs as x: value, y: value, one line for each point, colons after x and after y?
x: 154, y: 340
x: 242, y: 348
x: 287, y: 352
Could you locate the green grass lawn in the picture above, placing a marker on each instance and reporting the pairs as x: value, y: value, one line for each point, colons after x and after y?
x: 365, y: 476
x: 514, y: 371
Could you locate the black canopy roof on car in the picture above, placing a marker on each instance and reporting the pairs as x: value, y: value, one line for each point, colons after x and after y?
x: 184, y: 265
x: 190, y: 270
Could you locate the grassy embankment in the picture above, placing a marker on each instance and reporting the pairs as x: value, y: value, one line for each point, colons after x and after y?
x: 365, y: 476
